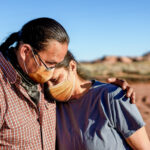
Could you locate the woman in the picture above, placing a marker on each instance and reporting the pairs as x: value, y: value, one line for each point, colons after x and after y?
x: 92, y: 115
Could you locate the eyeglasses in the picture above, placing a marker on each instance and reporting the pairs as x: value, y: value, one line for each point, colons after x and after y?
x: 35, y: 53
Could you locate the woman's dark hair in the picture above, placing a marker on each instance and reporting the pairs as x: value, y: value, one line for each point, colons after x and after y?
x: 65, y: 63
x: 37, y: 33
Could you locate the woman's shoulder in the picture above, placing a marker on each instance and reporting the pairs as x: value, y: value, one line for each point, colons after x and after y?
x: 110, y: 90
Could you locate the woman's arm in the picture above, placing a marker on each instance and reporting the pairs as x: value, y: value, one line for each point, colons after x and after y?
x: 127, y: 120
x: 139, y: 140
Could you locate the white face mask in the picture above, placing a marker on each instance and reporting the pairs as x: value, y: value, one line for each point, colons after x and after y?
x: 41, y: 75
x: 64, y: 90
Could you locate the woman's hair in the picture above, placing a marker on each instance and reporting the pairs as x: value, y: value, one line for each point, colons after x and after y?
x: 65, y: 63
x: 37, y: 33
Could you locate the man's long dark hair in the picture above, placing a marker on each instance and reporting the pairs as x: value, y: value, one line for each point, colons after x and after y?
x: 37, y: 33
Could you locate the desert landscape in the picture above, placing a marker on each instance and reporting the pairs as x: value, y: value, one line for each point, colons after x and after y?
x: 135, y: 70
x: 143, y: 102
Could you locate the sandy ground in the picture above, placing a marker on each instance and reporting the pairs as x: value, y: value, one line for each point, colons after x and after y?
x: 143, y: 102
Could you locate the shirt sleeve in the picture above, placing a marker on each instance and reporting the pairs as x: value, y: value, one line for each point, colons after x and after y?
x: 127, y: 119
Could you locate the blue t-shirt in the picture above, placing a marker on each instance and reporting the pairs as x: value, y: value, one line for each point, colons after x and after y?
x: 99, y: 120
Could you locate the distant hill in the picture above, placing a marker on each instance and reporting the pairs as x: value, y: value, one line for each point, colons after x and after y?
x: 134, y: 69
x: 124, y: 59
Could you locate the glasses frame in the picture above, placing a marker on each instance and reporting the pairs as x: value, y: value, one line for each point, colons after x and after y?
x: 47, y: 68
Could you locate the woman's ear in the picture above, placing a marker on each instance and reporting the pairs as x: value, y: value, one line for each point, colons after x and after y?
x: 73, y: 65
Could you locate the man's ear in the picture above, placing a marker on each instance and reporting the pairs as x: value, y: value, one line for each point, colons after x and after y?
x: 24, y: 50
x: 73, y: 65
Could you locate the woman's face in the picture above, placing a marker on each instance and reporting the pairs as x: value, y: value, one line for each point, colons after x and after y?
x: 59, y: 75
x: 62, y: 84
x: 62, y: 73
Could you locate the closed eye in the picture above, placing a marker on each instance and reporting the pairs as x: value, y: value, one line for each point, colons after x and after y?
x: 54, y: 81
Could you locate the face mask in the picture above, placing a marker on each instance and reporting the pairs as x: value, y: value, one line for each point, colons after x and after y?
x: 42, y: 75
x: 63, y: 91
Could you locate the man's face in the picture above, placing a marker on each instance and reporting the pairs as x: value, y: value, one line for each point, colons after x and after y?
x: 53, y: 53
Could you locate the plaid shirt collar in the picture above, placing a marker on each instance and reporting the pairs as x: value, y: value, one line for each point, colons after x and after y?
x: 9, y: 70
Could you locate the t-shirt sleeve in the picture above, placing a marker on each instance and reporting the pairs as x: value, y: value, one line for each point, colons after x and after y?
x: 126, y: 117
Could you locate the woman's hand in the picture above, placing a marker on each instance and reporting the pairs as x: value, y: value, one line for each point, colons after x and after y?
x: 125, y: 86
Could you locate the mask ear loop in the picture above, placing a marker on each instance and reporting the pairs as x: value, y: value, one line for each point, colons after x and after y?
x: 72, y: 88
x: 35, y: 61
x: 25, y: 67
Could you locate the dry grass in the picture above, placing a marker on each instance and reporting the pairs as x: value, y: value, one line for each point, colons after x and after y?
x: 136, y: 71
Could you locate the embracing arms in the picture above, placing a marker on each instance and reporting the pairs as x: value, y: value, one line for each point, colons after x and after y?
x: 130, y: 93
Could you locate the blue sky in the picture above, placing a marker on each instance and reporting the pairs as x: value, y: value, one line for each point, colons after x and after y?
x: 96, y: 27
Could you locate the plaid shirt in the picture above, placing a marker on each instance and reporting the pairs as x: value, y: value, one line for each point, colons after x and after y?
x: 23, y: 124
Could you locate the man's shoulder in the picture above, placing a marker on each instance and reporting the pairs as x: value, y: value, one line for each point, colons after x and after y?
x: 7, y: 71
